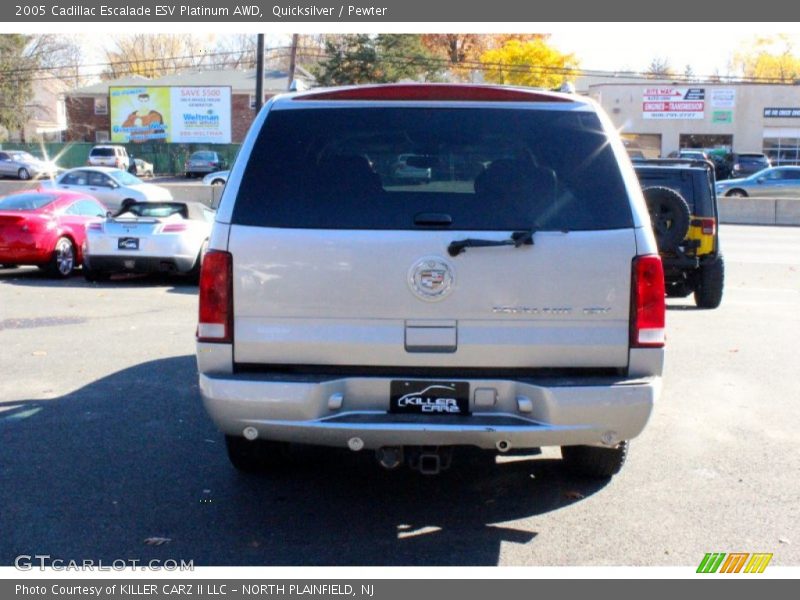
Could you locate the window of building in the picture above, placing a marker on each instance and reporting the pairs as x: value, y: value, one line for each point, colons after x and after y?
x: 101, y: 136
x: 101, y: 105
x: 642, y: 145
x: 782, y: 146
x: 706, y: 141
x: 252, y: 101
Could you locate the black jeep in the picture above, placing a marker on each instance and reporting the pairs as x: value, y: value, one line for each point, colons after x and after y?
x: 683, y: 208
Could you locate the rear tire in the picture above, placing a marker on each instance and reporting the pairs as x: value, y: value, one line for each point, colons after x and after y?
x: 256, y: 456
x: 710, y: 284
x: 594, y: 462
x: 737, y: 194
x: 62, y: 263
x: 24, y: 174
x: 669, y: 215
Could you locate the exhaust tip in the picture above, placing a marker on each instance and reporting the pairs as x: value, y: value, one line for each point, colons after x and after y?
x: 503, y: 446
x: 355, y: 444
x: 250, y: 433
x: 389, y: 457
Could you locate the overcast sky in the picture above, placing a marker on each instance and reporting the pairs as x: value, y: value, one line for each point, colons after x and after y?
x: 706, y: 47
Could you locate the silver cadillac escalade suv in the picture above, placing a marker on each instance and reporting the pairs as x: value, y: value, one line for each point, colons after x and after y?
x: 512, y: 298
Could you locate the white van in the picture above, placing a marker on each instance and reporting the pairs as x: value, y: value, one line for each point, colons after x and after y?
x: 109, y: 156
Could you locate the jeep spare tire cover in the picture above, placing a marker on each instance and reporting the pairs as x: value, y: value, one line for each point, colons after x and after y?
x: 669, y: 215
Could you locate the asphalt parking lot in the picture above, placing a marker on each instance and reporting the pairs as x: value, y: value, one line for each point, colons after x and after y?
x: 105, y: 445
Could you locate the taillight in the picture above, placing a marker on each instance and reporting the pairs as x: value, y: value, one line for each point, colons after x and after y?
x: 708, y: 226
x: 648, y: 308
x: 174, y: 227
x: 216, y: 298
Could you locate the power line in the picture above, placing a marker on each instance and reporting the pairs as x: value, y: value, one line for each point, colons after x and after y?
x: 142, y: 66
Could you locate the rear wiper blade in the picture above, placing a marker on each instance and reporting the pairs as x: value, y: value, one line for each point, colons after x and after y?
x: 517, y: 239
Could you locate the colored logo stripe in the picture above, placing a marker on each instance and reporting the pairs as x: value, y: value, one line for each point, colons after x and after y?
x: 734, y: 563
x: 758, y: 562
x: 711, y: 562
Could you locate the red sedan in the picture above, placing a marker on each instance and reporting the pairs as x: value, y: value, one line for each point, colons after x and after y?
x: 46, y: 229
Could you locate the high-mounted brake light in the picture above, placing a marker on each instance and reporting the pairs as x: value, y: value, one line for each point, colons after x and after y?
x: 437, y: 92
x: 96, y: 226
x: 648, y: 307
x: 174, y: 227
x: 215, y: 323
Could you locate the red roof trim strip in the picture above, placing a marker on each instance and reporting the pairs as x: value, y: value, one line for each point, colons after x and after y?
x: 441, y: 92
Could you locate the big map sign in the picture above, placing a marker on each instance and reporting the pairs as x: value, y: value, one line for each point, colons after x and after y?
x: 673, y: 103
x: 192, y: 114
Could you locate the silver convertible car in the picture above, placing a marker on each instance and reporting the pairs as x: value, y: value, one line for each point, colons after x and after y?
x: 773, y: 182
x: 148, y: 237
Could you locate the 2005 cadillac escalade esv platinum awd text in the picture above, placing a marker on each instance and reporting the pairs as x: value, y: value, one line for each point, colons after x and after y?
x: 513, y: 298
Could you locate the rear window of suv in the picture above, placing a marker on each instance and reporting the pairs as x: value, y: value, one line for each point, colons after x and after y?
x: 693, y: 185
x: 102, y: 152
x: 406, y: 168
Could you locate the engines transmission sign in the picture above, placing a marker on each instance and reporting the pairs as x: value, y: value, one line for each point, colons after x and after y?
x: 673, y: 103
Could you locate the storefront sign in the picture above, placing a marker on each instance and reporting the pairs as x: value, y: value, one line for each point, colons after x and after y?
x: 723, y: 98
x: 673, y: 103
x: 722, y: 116
x: 781, y: 113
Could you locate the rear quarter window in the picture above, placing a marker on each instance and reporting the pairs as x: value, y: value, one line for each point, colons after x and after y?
x: 381, y: 168
x: 26, y: 201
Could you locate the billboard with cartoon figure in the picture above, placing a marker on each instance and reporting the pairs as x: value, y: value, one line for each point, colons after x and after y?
x: 192, y: 114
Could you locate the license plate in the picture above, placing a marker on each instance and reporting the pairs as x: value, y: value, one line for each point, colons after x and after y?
x: 429, y: 397
x: 128, y: 243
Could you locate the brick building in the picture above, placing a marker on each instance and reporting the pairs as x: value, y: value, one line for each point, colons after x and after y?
x: 88, y: 111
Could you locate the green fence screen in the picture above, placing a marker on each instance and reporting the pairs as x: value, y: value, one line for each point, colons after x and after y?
x: 166, y: 158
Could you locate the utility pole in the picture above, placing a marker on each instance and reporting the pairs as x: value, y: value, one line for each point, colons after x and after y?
x: 260, y: 72
x: 292, y: 60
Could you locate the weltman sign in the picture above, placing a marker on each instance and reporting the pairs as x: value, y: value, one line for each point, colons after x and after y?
x: 673, y: 103
x: 190, y: 114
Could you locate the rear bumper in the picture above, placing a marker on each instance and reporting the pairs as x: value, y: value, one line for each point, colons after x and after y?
x: 25, y: 251
x: 525, y: 413
x: 141, y: 264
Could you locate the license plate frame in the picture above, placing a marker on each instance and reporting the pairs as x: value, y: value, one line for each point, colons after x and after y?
x: 420, y: 397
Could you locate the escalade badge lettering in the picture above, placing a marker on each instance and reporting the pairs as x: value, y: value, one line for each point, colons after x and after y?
x: 431, y: 278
